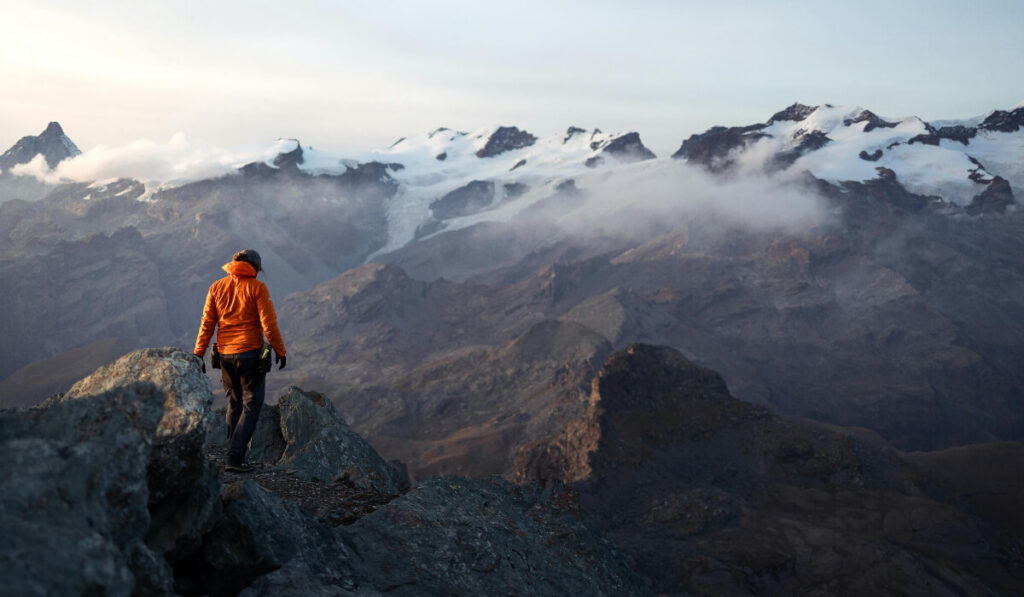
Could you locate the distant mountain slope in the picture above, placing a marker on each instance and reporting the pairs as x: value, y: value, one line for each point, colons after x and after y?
x: 858, y: 302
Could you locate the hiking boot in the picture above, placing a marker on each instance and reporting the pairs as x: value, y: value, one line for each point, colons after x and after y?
x: 238, y: 468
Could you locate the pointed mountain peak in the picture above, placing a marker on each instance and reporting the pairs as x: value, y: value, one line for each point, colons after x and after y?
x: 796, y: 113
x: 53, y: 128
x: 53, y: 144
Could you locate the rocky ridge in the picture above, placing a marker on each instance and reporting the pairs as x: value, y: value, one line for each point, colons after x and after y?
x: 108, y: 489
x: 711, y: 495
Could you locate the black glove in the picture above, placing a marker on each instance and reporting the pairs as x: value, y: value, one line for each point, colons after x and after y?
x: 280, y: 359
x: 202, y: 362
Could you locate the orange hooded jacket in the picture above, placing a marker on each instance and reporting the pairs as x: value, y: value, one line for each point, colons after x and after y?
x: 239, y: 306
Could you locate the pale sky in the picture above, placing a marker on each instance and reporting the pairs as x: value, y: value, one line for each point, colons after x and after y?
x: 350, y: 76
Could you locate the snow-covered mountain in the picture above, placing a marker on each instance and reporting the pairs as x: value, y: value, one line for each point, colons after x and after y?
x: 955, y: 160
x: 448, y: 179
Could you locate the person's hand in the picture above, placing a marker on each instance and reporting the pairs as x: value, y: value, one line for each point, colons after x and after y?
x: 202, y: 362
x: 280, y: 360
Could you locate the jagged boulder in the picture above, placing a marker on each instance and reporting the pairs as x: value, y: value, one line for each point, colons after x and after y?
x: 73, y: 496
x: 452, y: 535
x: 303, y: 432
x: 183, y: 486
x: 263, y: 544
x: 105, y: 485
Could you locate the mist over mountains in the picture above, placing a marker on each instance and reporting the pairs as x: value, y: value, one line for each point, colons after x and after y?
x: 457, y: 294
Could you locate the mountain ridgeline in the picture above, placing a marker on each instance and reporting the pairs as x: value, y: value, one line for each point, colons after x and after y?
x: 716, y: 351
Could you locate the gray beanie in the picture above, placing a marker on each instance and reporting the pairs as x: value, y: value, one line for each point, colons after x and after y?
x: 250, y: 256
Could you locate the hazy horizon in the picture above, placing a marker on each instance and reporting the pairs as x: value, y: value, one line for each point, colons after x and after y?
x: 345, y: 78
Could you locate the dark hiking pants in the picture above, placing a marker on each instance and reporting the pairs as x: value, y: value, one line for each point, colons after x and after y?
x: 244, y: 389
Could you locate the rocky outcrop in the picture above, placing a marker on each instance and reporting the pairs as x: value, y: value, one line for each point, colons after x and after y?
x: 808, y: 141
x: 796, y: 113
x: 712, y: 148
x: 886, y: 190
x: 304, y: 433
x: 470, y: 198
x: 626, y: 148
x: 289, y: 161
x: 996, y: 198
x: 712, y: 495
x: 505, y: 138
x: 1004, y: 122
x: 107, y: 490
x: 263, y: 545
x: 963, y: 134
x: 52, y: 144
x: 873, y: 121
x: 107, y: 486
x: 182, y: 485
x: 452, y: 535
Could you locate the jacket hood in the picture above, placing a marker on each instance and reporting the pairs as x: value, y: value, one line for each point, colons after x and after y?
x: 240, y: 268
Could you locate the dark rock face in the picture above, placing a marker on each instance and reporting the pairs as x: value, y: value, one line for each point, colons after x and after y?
x: 289, y: 161
x: 305, y: 434
x: 1003, y: 121
x: 711, y: 495
x: 797, y: 112
x: 506, y: 138
x: 441, y: 156
x: 573, y: 130
x: 628, y: 148
x: 996, y: 198
x: 515, y: 190
x: 711, y: 149
x: 475, y: 537
x: 262, y: 544
x: 887, y: 190
x: 593, y: 161
x: 87, y: 503
x: 517, y: 165
x: 872, y: 119
x: 959, y: 133
x: 90, y: 477
x: 809, y: 141
x: 467, y: 199
x: 874, y: 156
x: 52, y: 143
x: 926, y: 139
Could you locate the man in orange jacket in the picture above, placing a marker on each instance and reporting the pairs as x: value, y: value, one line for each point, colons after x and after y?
x: 239, y: 306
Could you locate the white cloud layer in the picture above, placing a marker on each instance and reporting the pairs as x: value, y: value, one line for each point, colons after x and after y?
x: 174, y: 162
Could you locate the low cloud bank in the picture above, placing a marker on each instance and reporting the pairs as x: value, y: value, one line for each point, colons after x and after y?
x: 176, y: 161
x: 653, y: 200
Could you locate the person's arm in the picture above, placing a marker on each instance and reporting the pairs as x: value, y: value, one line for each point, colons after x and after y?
x: 268, y: 319
x: 207, y: 325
